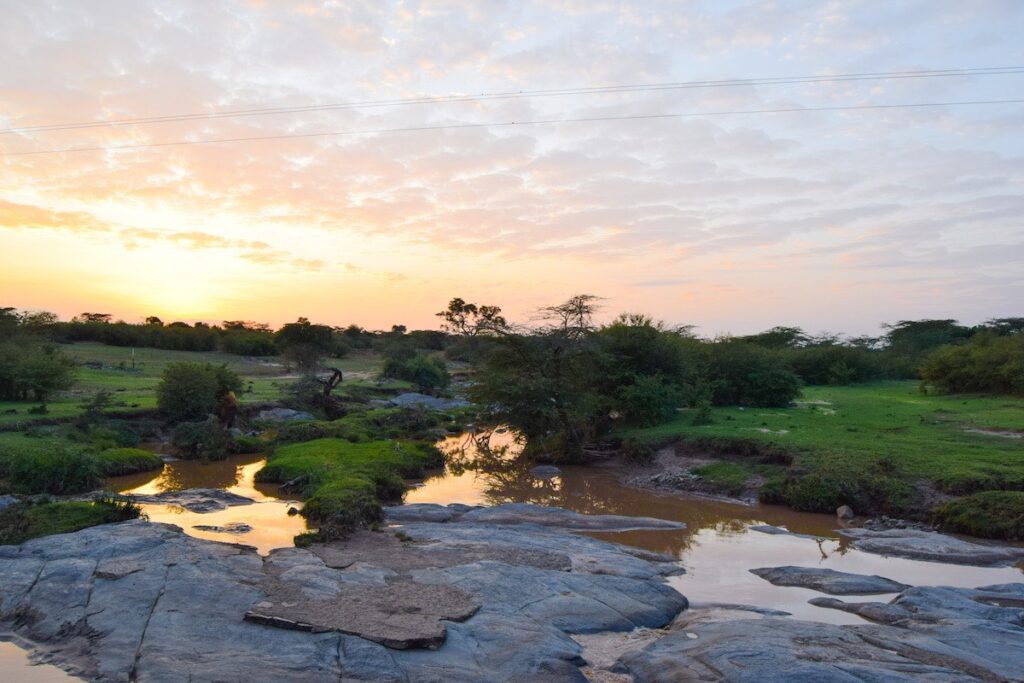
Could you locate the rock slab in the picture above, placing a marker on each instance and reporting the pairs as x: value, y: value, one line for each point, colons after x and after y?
x: 145, y: 602
x: 931, y: 546
x: 829, y: 580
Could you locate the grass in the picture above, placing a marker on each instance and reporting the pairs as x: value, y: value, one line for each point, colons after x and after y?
x: 23, y: 521
x: 729, y: 477
x: 995, y: 514
x: 118, y: 461
x: 344, y: 482
x: 923, y: 437
x: 867, y: 446
x: 133, y: 388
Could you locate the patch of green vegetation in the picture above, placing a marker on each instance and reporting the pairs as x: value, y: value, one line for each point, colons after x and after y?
x: 730, y: 477
x: 22, y: 521
x: 371, y: 425
x: 59, y: 470
x: 993, y: 514
x: 118, y: 461
x: 344, y: 482
x: 132, y: 379
x: 836, y: 437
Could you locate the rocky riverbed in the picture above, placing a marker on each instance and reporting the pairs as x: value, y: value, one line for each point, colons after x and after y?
x: 459, y: 593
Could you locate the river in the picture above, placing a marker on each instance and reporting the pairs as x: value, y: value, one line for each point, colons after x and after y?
x: 717, y: 548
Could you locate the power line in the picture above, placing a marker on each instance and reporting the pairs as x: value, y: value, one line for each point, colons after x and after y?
x: 522, y: 94
x: 536, y: 122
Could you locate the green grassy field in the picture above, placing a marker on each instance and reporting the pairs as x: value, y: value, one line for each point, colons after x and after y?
x: 132, y: 386
x: 889, y: 425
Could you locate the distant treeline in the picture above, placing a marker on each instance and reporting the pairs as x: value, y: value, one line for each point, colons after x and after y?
x: 240, y: 337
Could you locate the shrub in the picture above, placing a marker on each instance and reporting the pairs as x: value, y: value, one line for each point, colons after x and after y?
x: 118, y: 461
x: 426, y: 372
x: 206, y: 440
x: 58, y: 471
x: 990, y: 514
x: 649, y: 400
x: 247, y: 444
x: 749, y: 375
x: 868, y: 491
x: 190, y: 391
x: 987, y: 364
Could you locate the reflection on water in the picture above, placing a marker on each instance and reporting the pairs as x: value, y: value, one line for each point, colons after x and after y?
x: 717, y: 548
x: 268, y: 516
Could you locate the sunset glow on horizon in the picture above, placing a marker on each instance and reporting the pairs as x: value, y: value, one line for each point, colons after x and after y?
x: 829, y: 220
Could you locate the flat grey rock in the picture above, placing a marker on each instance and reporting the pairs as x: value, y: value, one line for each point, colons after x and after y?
x: 779, y: 531
x: 926, y: 633
x: 527, y: 513
x: 146, y: 602
x: 229, y: 528
x: 413, y: 400
x: 420, y: 512
x: 545, y: 471
x: 931, y: 546
x: 7, y: 501
x: 283, y: 415
x: 829, y: 580
x: 195, y: 500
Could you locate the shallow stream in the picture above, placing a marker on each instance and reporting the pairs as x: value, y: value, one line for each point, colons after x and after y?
x: 717, y: 548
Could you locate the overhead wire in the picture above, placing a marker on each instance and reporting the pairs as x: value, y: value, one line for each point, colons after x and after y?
x: 521, y: 94
x: 498, y: 124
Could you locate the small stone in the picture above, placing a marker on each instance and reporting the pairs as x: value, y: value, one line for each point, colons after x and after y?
x: 692, y: 636
x: 292, y: 511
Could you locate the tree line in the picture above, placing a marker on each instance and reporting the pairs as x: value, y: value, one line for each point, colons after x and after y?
x: 565, y: 380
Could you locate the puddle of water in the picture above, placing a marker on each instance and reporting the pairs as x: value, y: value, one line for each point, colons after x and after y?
x: 272, y: 527
x: 16, y: 667
x: 717, y: 548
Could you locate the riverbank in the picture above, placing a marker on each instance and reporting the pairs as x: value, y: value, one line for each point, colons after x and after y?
x: 881, y: 448
x: 467, y: 594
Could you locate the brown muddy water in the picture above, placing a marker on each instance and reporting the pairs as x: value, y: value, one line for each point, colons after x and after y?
x: 717, y: 548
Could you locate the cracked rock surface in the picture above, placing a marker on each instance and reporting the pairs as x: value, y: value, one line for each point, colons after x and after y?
x: 924, y: 634
x: 145, y: 602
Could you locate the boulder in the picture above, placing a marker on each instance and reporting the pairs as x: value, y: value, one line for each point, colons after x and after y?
x: 931, y: 546
x: 844, y: 512
x: 829, y: 580
x: 7, y: 501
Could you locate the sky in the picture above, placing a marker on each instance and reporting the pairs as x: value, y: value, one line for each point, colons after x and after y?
x: 829, y: 220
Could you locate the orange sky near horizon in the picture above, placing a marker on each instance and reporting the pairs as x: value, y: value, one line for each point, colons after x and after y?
x: 827, y: 220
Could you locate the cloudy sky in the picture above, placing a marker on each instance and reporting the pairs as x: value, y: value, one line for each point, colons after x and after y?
x: 832, y: 220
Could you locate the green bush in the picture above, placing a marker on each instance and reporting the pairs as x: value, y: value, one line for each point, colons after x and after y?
x: 426, y: 372
x: 118, y: 461
x: 59, y: 471
x: 247, y: 444
x: 206, y: 440
x: 649, y: 400
x: 744, y: 374
x: 868, y: 491
x: 989, y: 514
x: 986, y: 364
x: 191, y: 391
x: 23, y: 521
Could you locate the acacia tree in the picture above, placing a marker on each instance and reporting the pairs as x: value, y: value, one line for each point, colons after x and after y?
x: 305, y: 344
x: 470, y: 320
